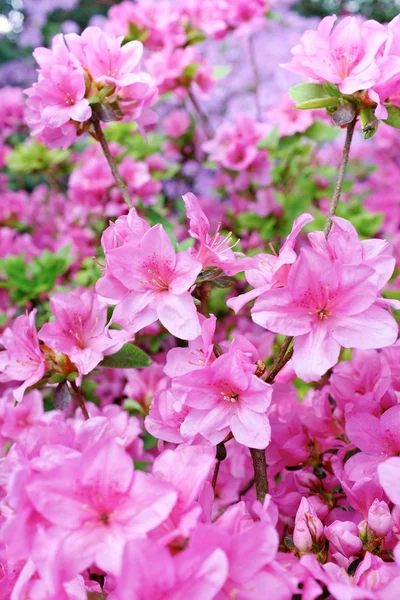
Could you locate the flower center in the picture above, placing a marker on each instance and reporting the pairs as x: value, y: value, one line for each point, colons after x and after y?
x: 324, y: 313
x: 230, y: 397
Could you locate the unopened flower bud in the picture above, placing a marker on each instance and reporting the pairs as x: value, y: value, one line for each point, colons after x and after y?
x: 308, y: 528
x: 343, y: 536
x: 379, y: 518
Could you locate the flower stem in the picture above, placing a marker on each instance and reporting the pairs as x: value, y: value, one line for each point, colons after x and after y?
x: 257, y: 79
x: 339, y: 181
x: 120, y: 181
x: 281, y: 359
x: 80, y: 400
x: 203, y: 118
x: 260, y: 473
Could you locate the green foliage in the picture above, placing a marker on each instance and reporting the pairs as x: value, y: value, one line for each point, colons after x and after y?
x: 369, y: 123
x: 393, y: 116
x: 31, y: 157
x: 136, y: 145
x: 129, y: 357
x: 314, y: 95
x: 322, y: 132
x: 25, y: 281
x: 89, y: 273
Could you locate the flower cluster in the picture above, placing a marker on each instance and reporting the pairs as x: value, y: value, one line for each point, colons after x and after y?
x: 82, y: 74
x: 360, y: 58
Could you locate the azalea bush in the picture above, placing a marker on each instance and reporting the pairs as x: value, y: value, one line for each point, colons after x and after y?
x: 199, y: 265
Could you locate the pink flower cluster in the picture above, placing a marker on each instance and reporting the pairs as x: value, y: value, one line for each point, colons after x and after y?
x: 80, y: 72
x: 354, y: 55
x: 76, y: 341
x: 329, y: 297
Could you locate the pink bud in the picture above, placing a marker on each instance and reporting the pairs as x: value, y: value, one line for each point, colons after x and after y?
x: 343, y: 535
x: 308, y: 527
x: 379, y: 518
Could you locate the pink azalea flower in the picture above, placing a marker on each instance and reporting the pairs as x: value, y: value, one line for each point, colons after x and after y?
x: 103, y: 56
x: 376, y: 436
x: 344, y: 245
x: 176, y: 123
x: 158, y: 575
x: 232, y: 398
x: 287, y: 118
x: 166, y: 416
x: 22, y: 359
x: 325, y: 306
x: 214, y: 250
x: 186, y: 468
x: 79, y: 330
x: 388, y: 473
x: 198, y: 354
x: 101, y: 504
x: 158, y: 281
x: 127, y: 228
x: 235, y: 533
x: 271, y: 270
x: 387, y: 88
x: 344, y: 54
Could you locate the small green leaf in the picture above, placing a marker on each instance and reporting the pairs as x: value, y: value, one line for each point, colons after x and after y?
x: 369, y: 122
x: 190, y: 71
x: 220, y: 71
x: 312, y: 95
x: 393, y: 116
x: 194, y: 36
x: 149, y: 441
x: 321, y: 132
x: 141, y: 465
x: 129, y: 357
x: 318, y: 103
x: 270, y: 141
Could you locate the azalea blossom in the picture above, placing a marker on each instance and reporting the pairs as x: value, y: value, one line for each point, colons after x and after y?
x: 343, y: 53
x: 325, y: 306
x: 232, y: 399
x: 79, y: 330
x: 22, y: 359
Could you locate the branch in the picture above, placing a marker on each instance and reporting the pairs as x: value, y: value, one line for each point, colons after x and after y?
x: 260, y: 473
x: 80, y: 400
x: 120, y: 181
x: 281, y: 359
x: 257, y: 79
x: 203, y: 118
x: 339, y: 181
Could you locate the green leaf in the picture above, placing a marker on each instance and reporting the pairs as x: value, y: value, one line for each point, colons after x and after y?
x: 149, y: 441
x: 393, y: 116
x: 321, y: 132
x: 312, y: 95
x: 129, y: 357
x: 220, y: 71
x: 141, y: 465
x: 194, y: 36
x: 317, y: 103
x: 270, y: 141
x: 190, y: 71
x: 369, y: 122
